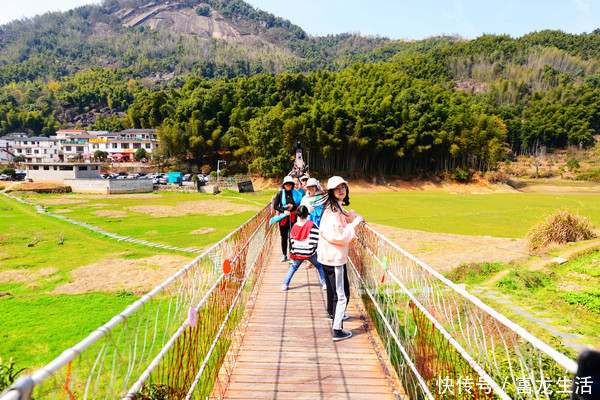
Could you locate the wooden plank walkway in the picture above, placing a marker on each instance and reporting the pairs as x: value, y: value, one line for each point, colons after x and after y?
x: 287, y: 351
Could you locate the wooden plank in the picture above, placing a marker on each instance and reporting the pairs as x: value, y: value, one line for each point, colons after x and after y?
x: 280, y: 395
x: 287, y: 351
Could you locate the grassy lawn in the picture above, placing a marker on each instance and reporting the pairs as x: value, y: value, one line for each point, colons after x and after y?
x: 36, y: 325
x: 566, y: 295
x: 36, y: 329
x: 508, y: 215
x: 135, y: 217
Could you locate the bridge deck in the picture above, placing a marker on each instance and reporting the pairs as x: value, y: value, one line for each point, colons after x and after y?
x: 287, y: 351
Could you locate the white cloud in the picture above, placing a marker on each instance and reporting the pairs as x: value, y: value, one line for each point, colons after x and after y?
x: 583, y: 6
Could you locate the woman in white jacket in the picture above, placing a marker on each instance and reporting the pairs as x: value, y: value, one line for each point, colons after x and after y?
x: 336, y: 231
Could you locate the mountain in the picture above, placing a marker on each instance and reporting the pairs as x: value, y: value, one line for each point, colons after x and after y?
x: 162, y: 40
x: 218, y: 76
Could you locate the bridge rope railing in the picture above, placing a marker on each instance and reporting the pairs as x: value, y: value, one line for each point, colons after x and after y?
x: 444, y: 342
x: 172, y: 342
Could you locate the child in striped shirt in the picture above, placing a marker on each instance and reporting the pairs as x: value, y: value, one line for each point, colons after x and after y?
x: 304, y: 238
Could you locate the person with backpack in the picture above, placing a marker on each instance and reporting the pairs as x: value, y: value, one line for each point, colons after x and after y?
x: 304, y: 238
x: 337, y: 230
x: 286, y: 202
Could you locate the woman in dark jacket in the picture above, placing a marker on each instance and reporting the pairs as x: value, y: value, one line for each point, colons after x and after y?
x: 286, y: 204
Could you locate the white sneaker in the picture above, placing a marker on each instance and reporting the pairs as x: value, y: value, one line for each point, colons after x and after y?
x: 284, y: 258
x: 324, y: 286
x: 284, y: 287
x: 344, y: 318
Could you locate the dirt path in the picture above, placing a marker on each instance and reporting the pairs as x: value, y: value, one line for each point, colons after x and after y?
x: 444, y: 252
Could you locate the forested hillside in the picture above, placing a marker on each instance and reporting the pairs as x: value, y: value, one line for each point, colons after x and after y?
x: 356, y: 103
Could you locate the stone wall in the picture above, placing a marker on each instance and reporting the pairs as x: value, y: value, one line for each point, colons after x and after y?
x: 110, y: 186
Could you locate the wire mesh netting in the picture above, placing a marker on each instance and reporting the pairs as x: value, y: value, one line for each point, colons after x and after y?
x: 172, y: 342
x: 443, y: 342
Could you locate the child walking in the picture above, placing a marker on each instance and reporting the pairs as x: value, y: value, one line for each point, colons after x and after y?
x: 304, y: 238
x: 337, y: 230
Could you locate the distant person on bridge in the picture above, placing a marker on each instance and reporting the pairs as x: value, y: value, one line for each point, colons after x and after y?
x: 286, y: 202
x: 304, y: 237
x: 337, y: 230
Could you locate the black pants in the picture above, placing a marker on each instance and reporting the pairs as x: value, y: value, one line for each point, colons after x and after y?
x: 332, y: 297
x: 285, y: 235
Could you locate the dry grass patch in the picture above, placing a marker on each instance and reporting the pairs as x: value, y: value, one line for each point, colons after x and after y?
x: 202, y: 231
x: 61, y: 201
x: 114, y: 274
x: 61, y: 211
x: 208, y: 207
x: 559, y: 228
x: 114, y: 196
x: 110, y: 213
x: 94, y: 205
x: 24, y: 275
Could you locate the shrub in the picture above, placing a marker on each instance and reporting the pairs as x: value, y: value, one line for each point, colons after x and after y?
x: 496, y: 177
x: 8, y: 171
x: 140, y: 154
x: 572, y: 163
x: 589, y: 299
x: 205, y: 169
x: 560, y: 228
x: 203, y: 10
x: 523, y: 279
x: 100, y: 155
x: 8, y: 373
x: 593, y: 175
x: 461, y: 175
x: 473, y: 272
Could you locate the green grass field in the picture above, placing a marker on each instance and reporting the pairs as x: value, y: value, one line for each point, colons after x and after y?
x: 37, y: 325
x: 508, y: 215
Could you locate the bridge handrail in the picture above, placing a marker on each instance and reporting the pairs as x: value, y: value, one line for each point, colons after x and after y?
x: 433, y: 328
x: 557, y: 356
x: 205, y: 267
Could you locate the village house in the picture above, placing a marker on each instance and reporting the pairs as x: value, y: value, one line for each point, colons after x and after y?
x: 35, y: 149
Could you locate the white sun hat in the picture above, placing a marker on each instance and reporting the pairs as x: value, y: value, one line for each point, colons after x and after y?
x: 334, y: 181
x: 312, y: 182
x: 288, y: 179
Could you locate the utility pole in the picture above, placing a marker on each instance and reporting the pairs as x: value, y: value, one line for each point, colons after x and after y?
x: 219, y: 169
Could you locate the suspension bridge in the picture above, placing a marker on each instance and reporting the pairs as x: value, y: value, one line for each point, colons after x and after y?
x: 222, y: 328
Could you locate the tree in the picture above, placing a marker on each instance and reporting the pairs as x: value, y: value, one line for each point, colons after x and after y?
x: 140, y: 154
x: 20, y: 158
x: 100, y: 155
x: 203, y: 10
x: 9, y: 171
x: 539, y: 156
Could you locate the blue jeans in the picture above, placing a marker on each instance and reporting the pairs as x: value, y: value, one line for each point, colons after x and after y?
x: 296, y: 263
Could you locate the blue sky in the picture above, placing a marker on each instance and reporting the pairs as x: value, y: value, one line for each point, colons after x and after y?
x: 396, y: 19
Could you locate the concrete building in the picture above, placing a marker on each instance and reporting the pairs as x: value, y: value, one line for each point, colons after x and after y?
x: 36, y: 149
x: 59, y: 171
x: 71, y: 146
x: 7, y: 143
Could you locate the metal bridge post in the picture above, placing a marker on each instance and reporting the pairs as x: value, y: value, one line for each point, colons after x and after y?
x: 21, y: 389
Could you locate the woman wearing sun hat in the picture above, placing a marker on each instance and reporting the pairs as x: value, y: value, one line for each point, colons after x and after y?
x: 314, y: 200
x: 337, y: 230
x: 286, y: 201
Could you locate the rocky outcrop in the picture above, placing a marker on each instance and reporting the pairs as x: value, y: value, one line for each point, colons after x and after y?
x: 173, y: 17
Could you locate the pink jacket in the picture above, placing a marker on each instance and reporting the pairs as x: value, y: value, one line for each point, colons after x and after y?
x: 335, y: 234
